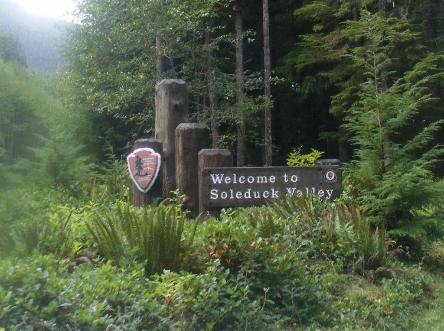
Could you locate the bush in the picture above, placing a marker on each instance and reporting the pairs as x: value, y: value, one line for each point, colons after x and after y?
x: 274, y: 267
x: 434, y: 254
x: 297, y: 159
x: 40, y: 293
x: 335, y: 230
x: 151, y: 234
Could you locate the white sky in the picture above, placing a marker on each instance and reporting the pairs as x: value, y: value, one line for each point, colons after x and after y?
x: 60, y: 9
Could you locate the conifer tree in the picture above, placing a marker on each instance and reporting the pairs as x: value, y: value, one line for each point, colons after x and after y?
x: 326, y: 77
x: 393, y: 170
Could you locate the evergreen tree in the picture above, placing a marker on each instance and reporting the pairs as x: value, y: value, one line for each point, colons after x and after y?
x: 21, y: 115
x: 10, y: 50
x: 325, y: 78
x: 393, y: 172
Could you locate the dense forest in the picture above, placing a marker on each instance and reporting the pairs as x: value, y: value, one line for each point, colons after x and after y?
x: 279, y: 82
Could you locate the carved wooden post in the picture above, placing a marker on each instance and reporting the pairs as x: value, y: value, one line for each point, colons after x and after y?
x: 190, y: 139
x: 171, y: 110
x: 139, y: 198
x: 210, y: 158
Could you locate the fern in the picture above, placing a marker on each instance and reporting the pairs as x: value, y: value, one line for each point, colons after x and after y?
x: 152, y: 235
x: 346, y: 226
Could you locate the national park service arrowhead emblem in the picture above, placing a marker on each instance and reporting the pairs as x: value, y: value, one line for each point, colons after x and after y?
x: 143, y: 166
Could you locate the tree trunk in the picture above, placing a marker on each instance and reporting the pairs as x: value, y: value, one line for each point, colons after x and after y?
x: 267, y: 83
x: 159, y: 59
x: 241, y: 127
x: 211, y: 91
x: 355, y: 10
x: 381, y: 5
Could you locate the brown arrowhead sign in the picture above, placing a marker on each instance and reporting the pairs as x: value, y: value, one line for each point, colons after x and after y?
x: 143, y: 166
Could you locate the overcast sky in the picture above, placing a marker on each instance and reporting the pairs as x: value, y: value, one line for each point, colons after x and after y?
x: 60, y: 9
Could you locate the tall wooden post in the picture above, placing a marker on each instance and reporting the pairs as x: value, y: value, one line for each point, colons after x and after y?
x: 139, y: 198
x: 211, y: 158
x: 190, y: 139
x: 171, y: 110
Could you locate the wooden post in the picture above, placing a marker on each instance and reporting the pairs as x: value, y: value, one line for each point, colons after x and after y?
x: 190, y: 139
x: 171, y: 110
x: 139, y: 198
x: 210, y: 158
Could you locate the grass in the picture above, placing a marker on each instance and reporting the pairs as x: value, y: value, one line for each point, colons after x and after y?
x: 433, y: 318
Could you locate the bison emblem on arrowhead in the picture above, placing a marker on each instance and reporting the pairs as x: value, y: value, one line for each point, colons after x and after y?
x: 144, y: 166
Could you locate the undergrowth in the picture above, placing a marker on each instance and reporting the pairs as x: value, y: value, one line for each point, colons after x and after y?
x: 294, y: 264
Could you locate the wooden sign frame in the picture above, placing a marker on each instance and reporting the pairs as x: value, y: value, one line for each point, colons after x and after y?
x: 227, y: 187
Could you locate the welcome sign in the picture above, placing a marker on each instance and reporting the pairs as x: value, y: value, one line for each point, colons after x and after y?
x: 242, y: 187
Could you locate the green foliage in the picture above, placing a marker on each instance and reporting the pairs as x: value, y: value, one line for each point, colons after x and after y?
x: 270, y: 283
x: 115, y: 64
x: 293, y: 264
x: 297, y: 159
x: 370, y: 246
x: 152, y: 235
x: 36, y: 134
x: 434, y: 254
x: 10, y: 50
x: 324, y: 78
x: 45, y: 235
x: 349, y: 233
x: 44, y: 226
x: 87, y: 301
x: 114, y: 176
x: 61, y: 164
x: 20, y: 114
x: 393, y: 171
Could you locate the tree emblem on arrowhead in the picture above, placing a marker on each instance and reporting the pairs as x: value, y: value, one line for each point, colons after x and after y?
x: 144, y: 166
x: 330, y: 176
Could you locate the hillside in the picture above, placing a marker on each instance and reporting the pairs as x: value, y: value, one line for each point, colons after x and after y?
x: 41, y: 38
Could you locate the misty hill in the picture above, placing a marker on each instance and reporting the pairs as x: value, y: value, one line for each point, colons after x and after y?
x: 40, y: 38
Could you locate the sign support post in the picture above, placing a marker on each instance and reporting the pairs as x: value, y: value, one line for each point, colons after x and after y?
x: 171, y: 110
x: 190, y: 139
x: 209, y: 158
x: 142, y: 198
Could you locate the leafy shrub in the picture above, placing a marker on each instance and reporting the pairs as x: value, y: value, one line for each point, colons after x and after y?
x: 48, y: 297
x: 391, y: 304
x: 50, y: 234
x: 297, y: 159
x: 434, y: 254
x: 337, y: 230
x: 112, y: 181
x: 39, y: 293
x: 214, y: 300
x: 368, y: 246
x: 41, y: 225
x: 256, y: 268
x: 28, y: 293
x: 270, y: 292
